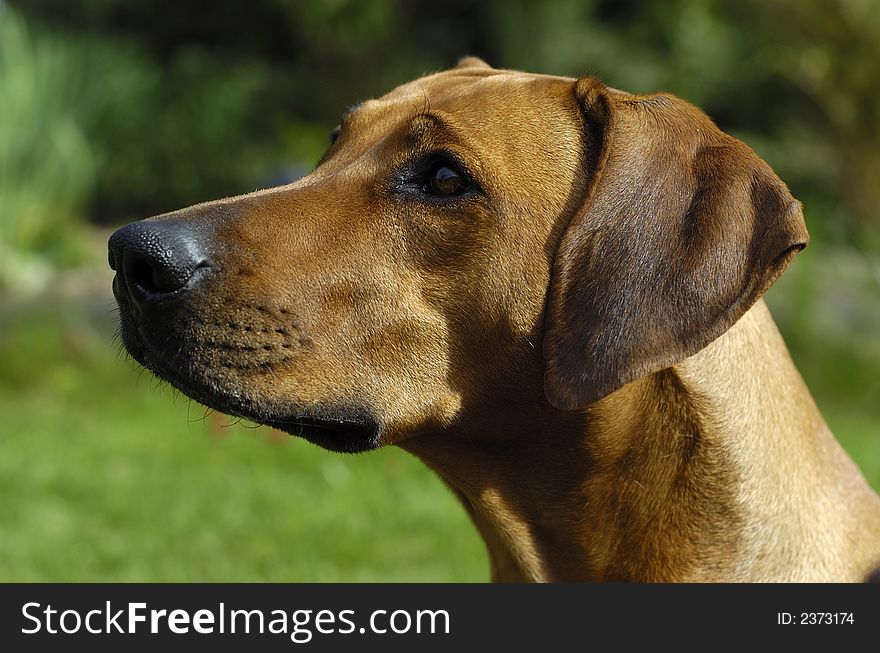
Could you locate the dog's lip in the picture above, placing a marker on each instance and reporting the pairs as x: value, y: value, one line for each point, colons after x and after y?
x: 337, y: 434
x: 310, y: 423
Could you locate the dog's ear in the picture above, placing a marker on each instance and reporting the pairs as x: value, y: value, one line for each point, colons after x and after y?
x: 471, y: 62
x: 683, y: 228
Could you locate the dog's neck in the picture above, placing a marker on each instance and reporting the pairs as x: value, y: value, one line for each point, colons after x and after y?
x: 688, y: 474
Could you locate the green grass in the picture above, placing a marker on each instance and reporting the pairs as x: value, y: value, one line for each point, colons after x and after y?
x: 104, y: 476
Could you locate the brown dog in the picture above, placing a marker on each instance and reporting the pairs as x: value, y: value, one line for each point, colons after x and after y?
x: 549, y: 291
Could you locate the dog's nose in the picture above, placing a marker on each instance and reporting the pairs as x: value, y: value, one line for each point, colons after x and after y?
x: 154, y: 259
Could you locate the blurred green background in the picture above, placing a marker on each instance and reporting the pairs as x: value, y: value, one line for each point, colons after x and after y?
x: 112, y: 110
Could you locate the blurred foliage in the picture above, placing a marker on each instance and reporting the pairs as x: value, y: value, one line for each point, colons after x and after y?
x: 184, y: 104
x: 46, y: 167
x: 832, y: 53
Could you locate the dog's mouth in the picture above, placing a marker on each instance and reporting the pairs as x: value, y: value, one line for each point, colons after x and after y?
x: 337, y: 434
x: 231, y: 389
x: 337, y: 428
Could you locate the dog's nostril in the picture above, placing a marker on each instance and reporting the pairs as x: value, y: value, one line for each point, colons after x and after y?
x: 156, y: 277
x: 143, y: 275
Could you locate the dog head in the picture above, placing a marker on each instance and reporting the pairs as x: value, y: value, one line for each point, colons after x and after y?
x: 473, y: 239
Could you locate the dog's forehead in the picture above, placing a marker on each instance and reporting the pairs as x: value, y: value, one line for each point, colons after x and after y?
x: 468, y: 90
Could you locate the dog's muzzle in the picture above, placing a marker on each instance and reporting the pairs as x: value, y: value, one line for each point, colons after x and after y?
x: 167, y: 286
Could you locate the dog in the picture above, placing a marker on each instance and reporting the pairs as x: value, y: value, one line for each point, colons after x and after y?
x: 549, y: 291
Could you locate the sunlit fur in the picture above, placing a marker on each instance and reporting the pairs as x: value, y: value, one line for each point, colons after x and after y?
x: 576, y: 344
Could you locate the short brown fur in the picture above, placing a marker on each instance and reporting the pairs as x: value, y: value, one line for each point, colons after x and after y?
x: 577, y: 345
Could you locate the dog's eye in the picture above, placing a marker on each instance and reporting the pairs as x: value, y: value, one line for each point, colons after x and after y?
x: 446, y: 180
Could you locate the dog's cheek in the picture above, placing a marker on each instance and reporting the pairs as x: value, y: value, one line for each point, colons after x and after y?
x: 406, y: 370
x: 395, y: 368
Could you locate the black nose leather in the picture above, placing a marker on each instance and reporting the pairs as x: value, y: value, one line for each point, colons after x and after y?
x: 154, y: 259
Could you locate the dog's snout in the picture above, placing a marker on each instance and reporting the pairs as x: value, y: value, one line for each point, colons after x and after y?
x: 154, y: 259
